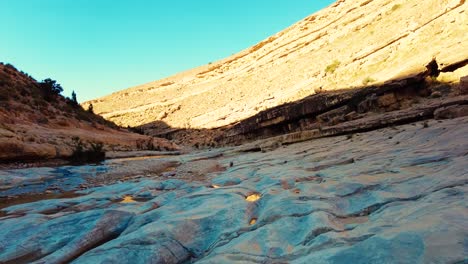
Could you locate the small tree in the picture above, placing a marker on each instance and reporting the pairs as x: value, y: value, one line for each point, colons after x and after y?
x: 51, y: 85
x: 74, y: 98
x: 91, y: 108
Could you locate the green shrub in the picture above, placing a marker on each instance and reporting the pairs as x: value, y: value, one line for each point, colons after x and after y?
x: 395, y: 7
x: 81, y: 155
x: 91, y: 109
x: 367, y: 80
x: 73, y: 98
x: 332, y: 67
x: 50, y: 88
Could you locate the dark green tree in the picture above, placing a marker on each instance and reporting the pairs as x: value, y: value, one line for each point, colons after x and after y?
x: 50, y: 89
x: 91, y: 108
x: 74, y: 98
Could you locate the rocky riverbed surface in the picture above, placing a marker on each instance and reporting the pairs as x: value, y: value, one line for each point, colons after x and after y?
x: 395, y: 195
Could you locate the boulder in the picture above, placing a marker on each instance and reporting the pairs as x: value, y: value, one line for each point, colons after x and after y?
x: 387, y: 100
x: 464, y: 85
x: 450, y: 112
x: 164, y: 144
x: 40, y: 151
x: 335, y: 115
x: 442, y: 89
x: 368, y: 104
x: 11, y: 148
x: 352, y: 116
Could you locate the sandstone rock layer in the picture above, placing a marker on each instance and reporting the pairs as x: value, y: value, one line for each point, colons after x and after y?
x: 349, y: 44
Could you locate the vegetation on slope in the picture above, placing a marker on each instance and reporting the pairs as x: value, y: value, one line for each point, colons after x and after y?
x: 43, y: 100
x: 38, y: 123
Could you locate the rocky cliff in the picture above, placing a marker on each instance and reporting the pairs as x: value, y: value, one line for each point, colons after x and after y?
x: 350, y: 44
x: 36, y: 124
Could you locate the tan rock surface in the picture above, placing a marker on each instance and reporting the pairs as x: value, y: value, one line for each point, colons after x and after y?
x: 349, y: 44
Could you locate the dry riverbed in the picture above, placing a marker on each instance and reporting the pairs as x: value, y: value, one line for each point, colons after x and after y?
x: 391, y: 195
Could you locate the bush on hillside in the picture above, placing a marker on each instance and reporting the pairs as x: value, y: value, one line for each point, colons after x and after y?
x: 333, y: 66
x: 81, y: 155
x: 50, y: 88
x: 73, y: 98
x: 91, y: 109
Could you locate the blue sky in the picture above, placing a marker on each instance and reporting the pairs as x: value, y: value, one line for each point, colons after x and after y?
x: 96, y: 47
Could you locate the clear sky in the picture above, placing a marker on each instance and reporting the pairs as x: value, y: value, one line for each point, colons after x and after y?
x: 96, y: 47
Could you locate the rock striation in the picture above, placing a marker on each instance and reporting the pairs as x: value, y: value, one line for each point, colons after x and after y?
x: 349, y: 45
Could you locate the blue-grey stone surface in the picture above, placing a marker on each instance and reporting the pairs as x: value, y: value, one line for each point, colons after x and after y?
x: 396, y: 195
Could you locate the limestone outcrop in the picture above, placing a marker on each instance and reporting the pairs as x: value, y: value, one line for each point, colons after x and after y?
x: 349, y: 45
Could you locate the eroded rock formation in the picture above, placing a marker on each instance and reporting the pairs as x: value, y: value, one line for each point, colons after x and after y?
x: 347, y: 45
x: 391, y: 195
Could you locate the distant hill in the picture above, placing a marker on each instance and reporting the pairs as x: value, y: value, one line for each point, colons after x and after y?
x: 347, y: 45
x: 37, y: 123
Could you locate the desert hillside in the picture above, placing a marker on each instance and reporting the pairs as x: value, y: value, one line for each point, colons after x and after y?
x: 38, y: 124
x: 350, y: 44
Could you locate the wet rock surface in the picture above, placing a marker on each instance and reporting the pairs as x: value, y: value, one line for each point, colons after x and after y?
x: 395, y: 195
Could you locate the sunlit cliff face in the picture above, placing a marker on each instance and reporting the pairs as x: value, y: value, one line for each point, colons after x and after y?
x: 351, y: 44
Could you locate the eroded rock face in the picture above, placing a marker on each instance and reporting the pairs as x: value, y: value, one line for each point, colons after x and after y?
x: 390, y: 195
x: 352, y: 43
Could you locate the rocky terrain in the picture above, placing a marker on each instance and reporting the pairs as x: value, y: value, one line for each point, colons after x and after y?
x: 342, y: 139
x: 349, y: 45
x: 38, y: 126
x: 394, y: 195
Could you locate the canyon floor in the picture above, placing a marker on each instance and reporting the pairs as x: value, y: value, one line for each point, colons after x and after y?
x: 394, y: 195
